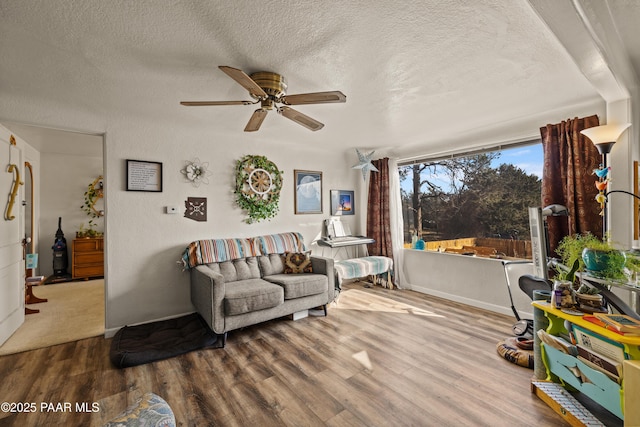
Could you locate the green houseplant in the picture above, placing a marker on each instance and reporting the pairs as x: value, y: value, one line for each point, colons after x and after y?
x: 589, y: 298
x: 593, y: 254
x: 90, y: 231
x: 91, y: 196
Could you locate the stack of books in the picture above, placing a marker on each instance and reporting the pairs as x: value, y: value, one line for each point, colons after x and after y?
x: 598, y: 352
x: 620, y: 322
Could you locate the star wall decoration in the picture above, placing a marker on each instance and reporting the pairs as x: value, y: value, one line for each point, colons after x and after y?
x: 364, y: 164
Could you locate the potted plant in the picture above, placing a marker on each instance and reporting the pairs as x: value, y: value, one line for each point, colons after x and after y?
x: 91, y: 196
x: 90, y: 231
x: 588, y: 298
x: 593, y: 254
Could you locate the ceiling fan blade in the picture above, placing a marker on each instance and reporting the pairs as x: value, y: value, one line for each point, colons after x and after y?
x: 256, y: 120
x: 244, y: 80
x: 208, y: 103
x: 314, y: 98
x: 300, y: 118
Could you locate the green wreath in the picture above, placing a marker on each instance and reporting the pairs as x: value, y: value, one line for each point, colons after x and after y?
x: 258, y: 185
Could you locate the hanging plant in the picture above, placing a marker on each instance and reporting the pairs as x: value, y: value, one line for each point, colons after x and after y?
x: 91, y: 196
x: 258, y: 185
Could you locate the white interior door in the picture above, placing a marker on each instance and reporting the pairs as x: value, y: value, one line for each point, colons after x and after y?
x: 12, y: 272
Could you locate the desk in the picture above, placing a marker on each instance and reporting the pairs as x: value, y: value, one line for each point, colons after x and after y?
x: 343, y: 243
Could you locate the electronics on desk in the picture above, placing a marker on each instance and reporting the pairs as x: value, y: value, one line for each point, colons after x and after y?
x: 333, y: 228
x: 336, y: 233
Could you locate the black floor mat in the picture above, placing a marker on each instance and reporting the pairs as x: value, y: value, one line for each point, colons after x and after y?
x: 136, y: 345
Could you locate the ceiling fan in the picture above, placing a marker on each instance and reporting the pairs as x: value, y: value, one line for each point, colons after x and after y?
x: 270, y: 89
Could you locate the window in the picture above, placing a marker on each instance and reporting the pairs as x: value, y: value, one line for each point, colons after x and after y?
x: 473, y: 200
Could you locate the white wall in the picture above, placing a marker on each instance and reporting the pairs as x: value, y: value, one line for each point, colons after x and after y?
x: 620, y: 206
x: 475, y: 281
x: 144, y: 281
x: 64, y: 179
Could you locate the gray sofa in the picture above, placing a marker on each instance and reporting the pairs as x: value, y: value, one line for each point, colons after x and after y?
x: 250, y: 285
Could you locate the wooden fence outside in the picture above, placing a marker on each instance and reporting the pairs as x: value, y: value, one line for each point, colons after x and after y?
x: 510, y: 248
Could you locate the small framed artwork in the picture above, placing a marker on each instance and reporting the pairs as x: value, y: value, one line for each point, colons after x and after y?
x: 144, y: 176
x: 196, y: 208
x: 308, y: 192
x: 342, y: 202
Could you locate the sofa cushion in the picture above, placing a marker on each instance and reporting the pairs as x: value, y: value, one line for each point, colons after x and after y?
x: 271, y: 264
x: 300, y: 285
x: 239, y: 269
x: 245, y: 296
x: 297, y: 262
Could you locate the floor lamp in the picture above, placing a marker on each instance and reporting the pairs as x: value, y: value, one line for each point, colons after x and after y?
x: 604, y: 137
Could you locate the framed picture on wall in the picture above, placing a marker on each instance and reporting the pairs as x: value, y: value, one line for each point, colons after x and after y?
x: 144, y: 176
x: 308, y: 192
x: 342, y: 202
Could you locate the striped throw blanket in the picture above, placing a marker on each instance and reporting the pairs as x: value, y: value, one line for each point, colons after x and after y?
x: 281, y: 243
x: 362, y: 267
x: 219, y: 250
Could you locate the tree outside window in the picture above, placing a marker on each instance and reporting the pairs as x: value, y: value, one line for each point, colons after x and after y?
x: 478, y: 198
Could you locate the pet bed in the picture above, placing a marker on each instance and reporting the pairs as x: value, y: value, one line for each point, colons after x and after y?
x: 136, y: 345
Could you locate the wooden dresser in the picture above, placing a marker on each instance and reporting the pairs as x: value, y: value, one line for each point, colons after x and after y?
x: 87, y: 258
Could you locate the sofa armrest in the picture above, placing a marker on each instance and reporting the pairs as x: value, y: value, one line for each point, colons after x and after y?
x: 207, y: 295
x: 322, y: 265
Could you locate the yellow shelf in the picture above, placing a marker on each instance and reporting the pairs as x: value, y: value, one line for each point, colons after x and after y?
x: 578, y: 320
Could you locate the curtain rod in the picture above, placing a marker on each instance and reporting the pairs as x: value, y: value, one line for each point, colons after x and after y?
x: 458, y: 154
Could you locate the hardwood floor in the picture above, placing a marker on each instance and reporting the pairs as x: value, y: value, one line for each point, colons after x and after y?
x: 433, y: 362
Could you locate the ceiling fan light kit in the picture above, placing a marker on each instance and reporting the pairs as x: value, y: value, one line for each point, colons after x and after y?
x: 270, y: 89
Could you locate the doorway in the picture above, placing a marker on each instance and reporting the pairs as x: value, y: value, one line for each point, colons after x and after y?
x: 65, y: 163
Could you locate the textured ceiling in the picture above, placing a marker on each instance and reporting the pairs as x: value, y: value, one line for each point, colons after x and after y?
x: 419, y: 76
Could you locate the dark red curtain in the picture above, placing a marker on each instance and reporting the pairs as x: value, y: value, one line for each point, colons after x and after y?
x: 378, y: 214
x: 568, y: 178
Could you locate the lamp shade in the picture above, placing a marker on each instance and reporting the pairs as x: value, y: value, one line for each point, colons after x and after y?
x: 605, y: 136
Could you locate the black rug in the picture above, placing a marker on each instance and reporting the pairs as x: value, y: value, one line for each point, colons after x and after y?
x: 136, y: 345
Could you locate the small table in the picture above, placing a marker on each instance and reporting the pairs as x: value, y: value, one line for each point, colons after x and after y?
x: 29, y: 297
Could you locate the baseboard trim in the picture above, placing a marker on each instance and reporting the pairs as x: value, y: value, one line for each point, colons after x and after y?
x: 468, y: 301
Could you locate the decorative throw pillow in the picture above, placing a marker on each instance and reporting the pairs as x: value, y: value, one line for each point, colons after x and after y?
x: 297, y: 262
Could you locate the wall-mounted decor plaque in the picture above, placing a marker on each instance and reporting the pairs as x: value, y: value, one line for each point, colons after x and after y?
x: 144, y: 176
